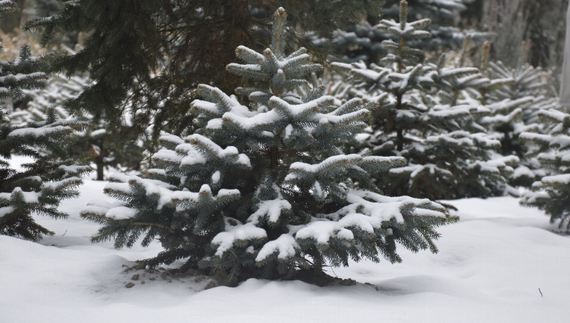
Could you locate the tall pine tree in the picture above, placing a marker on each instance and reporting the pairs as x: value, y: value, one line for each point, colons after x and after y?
x: 264, y: 190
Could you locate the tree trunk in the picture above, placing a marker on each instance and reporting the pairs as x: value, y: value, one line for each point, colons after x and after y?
x: 100, y: 170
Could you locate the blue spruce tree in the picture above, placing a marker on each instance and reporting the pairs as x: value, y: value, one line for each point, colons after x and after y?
x: 264, y: 190
x: 514, y: 97
x: 97, y: 143
x: 425, y: 112
x: 42, y: 183
x: 362, y: 41
x: 551, y: 193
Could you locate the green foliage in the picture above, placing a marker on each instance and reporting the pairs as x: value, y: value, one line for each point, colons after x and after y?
x: 151, y: 54
x: 41, y: 184
x: 514, y: 97
x: 363, y: 41
x: 23, y: 73
x: 268, y: 69
x: 425, y: 113
x: 552, y: 193
x: 98, y: 143
x: 264, y: 190
x: 47, y: 8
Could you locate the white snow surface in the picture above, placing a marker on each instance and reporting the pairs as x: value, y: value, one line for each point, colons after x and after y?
x: 492, y: 267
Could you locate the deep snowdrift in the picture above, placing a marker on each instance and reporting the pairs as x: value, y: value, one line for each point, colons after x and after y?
x: 492, y: 267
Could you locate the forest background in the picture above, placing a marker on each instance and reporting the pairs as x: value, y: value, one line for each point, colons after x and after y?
x: 519, y: 32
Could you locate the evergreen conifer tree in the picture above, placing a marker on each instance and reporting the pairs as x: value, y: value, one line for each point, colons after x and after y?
x: 47, y: 8
x: 151, y: 55
x: 363, y: 41
x: 514, y: 97
x: 552, y: 193
x: 444, y: 18
x: 44, y: 182
x: 264, y: 190
x: 40, y: 101
x: 97, y: 143
x: 424, y: 113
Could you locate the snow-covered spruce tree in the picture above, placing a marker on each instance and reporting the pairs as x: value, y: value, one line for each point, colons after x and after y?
x: 444, y: 18
x: 53, y: 96
x: 551, y: 193
x: 264, y: 190
x: 97, y: 143
x: 150, y: 55
x: 41, y: 184
x: 423, y: 114
x: 514, y: 97
x: 363, y: 41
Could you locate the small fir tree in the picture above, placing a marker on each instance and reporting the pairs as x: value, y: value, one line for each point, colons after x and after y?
x: 264, y: 190
x: 424, y: 114
x: 53, y: 96
x: 97, y: 143
x: 514, y: 97
x: 362, y: 41
x: 42, y: 183
x: 551, y: 193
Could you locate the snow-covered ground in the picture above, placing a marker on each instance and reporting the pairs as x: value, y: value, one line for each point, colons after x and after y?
x: 500, y: 263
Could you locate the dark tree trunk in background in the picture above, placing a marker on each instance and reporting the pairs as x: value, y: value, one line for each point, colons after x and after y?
x: 540, y: 23
x: 474, y: 12
x: 12, y: 21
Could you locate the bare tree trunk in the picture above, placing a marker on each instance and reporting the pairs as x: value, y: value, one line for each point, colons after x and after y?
x: 539, y: 21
